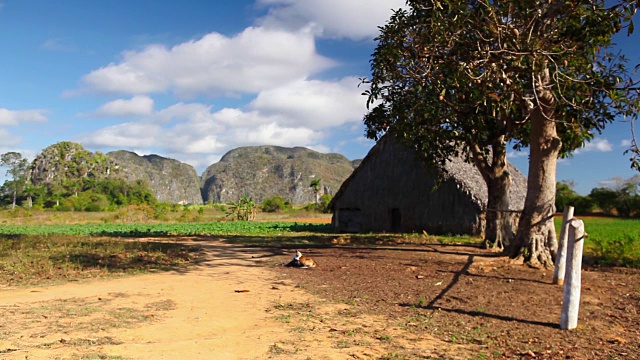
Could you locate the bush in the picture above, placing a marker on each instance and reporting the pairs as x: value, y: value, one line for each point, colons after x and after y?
x: 275, y: 204
x: 323, y: 205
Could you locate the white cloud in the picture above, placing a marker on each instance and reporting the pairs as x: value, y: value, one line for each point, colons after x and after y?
x: 353, y: 19
x: 138, y: 105
x: 517, y: 154
x: 617, y: 182
x: 625, y: 143
x: 598, y: 145
x: 124, y: 136
x: 13, y: 117
x: 274, y: 134
x: 194, y: 134
x: 313, y: 103
x: 253, y: 60
x: 7, y: 139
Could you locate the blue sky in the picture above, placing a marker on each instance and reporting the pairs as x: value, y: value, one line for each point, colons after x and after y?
x: 190, y: 80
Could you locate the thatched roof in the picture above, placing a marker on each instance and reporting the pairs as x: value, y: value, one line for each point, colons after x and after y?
x: 465, y: 174
x: 470, y: 179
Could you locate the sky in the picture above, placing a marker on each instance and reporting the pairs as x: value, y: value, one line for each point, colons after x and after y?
x: 191, y: 80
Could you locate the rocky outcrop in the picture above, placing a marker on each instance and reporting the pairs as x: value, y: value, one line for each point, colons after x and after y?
x: 261, y: 172
x: 67, y: 160
x: 171, y: 180
x: 258, y: 172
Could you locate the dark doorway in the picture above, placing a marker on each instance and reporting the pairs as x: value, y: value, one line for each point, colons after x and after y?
x: 396, y: 220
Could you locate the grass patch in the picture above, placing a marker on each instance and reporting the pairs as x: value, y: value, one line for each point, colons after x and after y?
x: 41, y: 260
x: 610, y: 241
x: 99, y: 341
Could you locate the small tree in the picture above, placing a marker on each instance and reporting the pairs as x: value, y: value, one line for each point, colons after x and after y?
x: 315, y: 185
x: 244, y: 209
x: 604, y: 198
x: 31, y: 191
x: 17, y: 171
x: 564, y: 195
x: 627, y: 200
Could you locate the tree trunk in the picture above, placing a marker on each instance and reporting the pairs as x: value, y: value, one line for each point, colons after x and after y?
x: 535, y: 241
x: 499, y: 230
x: 498, y: 227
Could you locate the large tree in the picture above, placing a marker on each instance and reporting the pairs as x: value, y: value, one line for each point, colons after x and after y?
x: 468, y: 77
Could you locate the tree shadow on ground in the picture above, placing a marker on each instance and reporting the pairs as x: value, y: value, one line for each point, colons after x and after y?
x: 432, y: 305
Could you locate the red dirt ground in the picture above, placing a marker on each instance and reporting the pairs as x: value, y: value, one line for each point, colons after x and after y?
x: 463, y: 294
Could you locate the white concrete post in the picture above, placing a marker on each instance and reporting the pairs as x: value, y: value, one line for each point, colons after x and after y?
x: 571, y: 291
x: 561, y: 255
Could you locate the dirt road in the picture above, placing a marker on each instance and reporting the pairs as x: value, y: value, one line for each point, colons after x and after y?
x: 233, y: 305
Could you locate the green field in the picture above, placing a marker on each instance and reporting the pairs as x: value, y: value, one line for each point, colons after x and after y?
x: 611, y: 241
x: 270, y: 228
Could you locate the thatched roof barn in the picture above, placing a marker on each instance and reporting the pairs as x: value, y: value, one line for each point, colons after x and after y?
x: 393, y: 191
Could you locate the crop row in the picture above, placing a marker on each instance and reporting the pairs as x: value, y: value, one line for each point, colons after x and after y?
x: 162, y: 229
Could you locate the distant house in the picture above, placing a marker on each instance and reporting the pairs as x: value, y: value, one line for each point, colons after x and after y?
x: 392, y: 191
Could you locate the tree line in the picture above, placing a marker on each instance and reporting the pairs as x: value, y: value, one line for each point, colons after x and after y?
x: 623, y: 201
x: 84, y: 193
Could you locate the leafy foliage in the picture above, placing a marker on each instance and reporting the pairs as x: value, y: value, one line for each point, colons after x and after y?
x: 625, y: 200
x: 165, y: 229
x: 18, y: 174
x: 453, y: 77
x: 315, y: 185
x: 456, y: 73
x: 275, y: 204
x: 244, y: 209
x: 74, y: 185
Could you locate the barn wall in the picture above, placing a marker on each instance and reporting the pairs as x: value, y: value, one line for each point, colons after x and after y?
x: 391, y: 192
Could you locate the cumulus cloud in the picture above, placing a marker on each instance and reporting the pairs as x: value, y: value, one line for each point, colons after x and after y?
x: 15, y: 117
x: 313, y: 103
x: 129, y: 135
x: 195, y: 134
x: 274, y: 134
x: 625, y: 143
x: 353, y: 19
x: 598, y: 145
x: 253, y: 60
x: 138, y: 105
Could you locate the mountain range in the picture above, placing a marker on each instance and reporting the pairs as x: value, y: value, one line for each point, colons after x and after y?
x: 258, y: 172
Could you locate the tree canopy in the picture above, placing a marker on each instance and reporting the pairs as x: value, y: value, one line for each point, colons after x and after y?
x: 469, y: 77
x: 447, y: 73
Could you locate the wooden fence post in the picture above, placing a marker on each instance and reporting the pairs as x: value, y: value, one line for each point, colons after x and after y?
x: 561, y: 255
x: 571, y: 290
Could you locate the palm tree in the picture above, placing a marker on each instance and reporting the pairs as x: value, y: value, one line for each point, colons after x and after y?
x: 30, y: 191
x: 315, y: 185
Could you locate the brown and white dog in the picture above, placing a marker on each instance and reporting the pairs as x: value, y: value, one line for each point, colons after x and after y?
x: 301, y: 261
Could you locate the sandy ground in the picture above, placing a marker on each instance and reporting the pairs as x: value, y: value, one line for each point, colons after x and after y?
x: 234, y: 305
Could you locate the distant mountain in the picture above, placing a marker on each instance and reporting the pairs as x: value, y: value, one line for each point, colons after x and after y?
x: 171, y: 180
x: 261, y: 172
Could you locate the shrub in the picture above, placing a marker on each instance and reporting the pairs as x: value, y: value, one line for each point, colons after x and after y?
x: 323, y: 205
x: 275, y: 204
